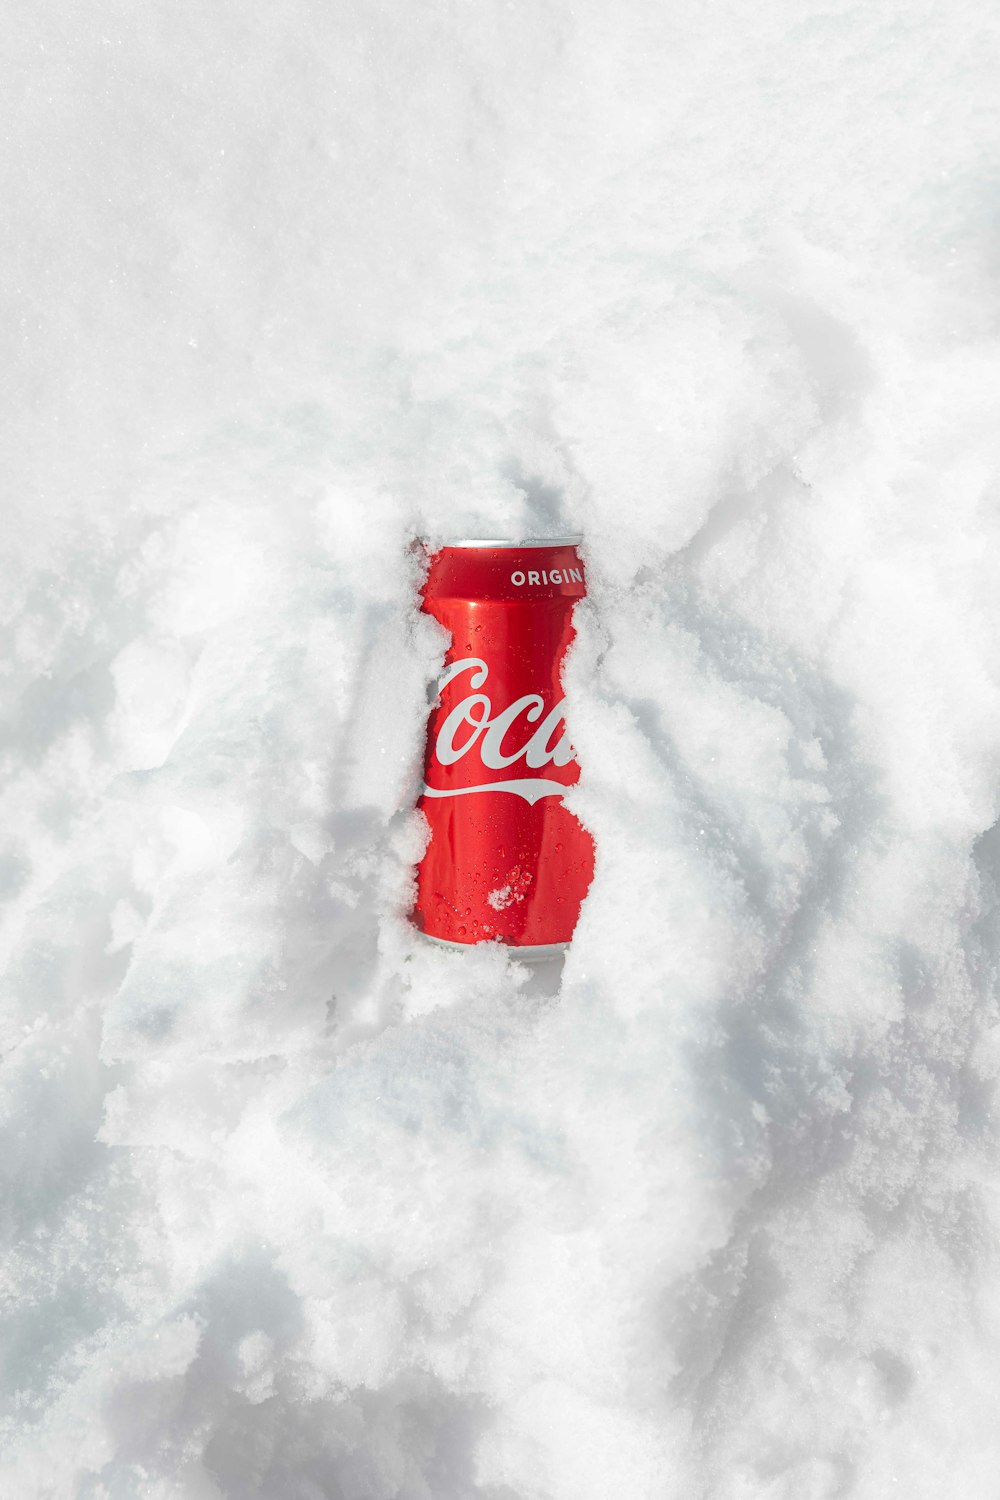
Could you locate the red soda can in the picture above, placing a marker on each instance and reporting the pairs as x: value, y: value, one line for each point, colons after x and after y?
x: 507, y: 861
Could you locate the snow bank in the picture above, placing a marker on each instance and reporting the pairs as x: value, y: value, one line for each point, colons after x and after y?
x: 293, y: 1206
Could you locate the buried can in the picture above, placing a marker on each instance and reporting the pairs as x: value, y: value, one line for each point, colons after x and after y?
x: 507, y: 861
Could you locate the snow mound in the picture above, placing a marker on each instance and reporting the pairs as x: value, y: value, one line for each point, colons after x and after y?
x: 295, y: 1206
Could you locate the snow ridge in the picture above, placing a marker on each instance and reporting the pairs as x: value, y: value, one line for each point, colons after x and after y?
x: 294, y: 1205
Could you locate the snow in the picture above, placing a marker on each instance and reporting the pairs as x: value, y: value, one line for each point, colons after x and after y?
x: 294, y: 1205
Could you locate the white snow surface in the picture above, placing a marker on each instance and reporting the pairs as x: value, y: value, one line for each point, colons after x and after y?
x: 293, y: 1206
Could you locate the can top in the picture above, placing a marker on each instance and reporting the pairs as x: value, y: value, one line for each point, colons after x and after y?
x: 512, y: 572
x: 524, y: 542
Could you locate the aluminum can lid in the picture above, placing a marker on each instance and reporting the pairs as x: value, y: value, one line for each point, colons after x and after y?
x: 511, y: 572
x: 531, y: 541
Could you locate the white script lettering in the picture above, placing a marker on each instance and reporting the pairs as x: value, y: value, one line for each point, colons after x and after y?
x: 473, y: 721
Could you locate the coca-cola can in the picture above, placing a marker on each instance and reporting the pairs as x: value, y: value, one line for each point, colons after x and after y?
x: 507, y: 861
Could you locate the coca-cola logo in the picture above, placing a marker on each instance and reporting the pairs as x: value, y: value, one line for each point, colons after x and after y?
x: 502, y: 739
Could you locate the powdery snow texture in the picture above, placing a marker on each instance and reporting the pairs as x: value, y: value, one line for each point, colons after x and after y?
x: 295, y: 1207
